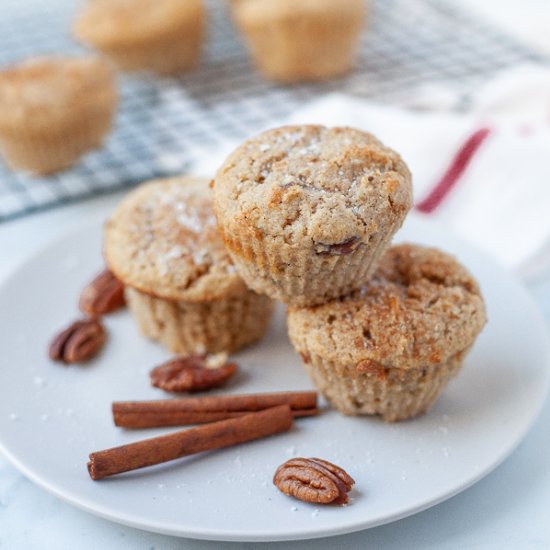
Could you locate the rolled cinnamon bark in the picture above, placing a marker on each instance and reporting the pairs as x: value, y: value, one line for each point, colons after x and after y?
x: 138, y: 420
x: 215, y: 435
x: 199, y: 410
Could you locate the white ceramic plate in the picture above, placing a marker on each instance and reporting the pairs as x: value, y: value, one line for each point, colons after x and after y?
x: 52, y: 416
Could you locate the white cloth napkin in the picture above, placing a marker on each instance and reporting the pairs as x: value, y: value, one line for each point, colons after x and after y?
x: 501, y: 198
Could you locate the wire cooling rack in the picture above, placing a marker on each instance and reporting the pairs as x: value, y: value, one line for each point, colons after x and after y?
x: 163, y: 123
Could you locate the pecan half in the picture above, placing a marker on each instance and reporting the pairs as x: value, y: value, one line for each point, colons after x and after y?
x: 313, y: 480
x: 79, y: 342
x: 191, y: 374
x: 103, y: 295
x: 338, y: 249
x: 373, y: 368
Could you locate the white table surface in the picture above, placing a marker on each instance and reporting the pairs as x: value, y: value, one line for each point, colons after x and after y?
x: 509, y: 509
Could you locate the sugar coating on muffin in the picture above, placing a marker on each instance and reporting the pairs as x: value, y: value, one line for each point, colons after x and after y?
x: 391, y: 347
x: 308, y: 40
x: 163, y: 240
x: 164, y: 36
x: 181, y: 286
x: 53, y: 109
x: 305, y: 211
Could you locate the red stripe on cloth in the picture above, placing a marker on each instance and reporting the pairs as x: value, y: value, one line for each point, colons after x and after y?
x: 450, y: 178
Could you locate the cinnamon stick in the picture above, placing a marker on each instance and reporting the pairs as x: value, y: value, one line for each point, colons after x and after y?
x: 199, y: 410
x: 161, y: 419
x: 215, y: 435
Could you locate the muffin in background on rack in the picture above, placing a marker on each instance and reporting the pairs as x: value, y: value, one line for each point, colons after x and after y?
x: 306, y: 40
x: 161, y: 36
x: 391, y: 347
x: 162, y: 243
x: 53, y: 110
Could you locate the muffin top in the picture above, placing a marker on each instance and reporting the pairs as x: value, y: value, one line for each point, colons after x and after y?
x: 119, y: 22
x: 420, y: 308
x: 162, y: 240
x: 266, y: 10
x: 326, y: 190
x: 47, y: 88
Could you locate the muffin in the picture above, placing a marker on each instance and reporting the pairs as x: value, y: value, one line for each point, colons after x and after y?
x: 162, y: 36
x: 391, y: 347
x: 295, y: 41
x: 53, y: 110
x: 305, y: 211
x: 180, y: 284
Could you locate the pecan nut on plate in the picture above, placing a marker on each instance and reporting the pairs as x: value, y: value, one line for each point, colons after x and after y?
x: 102, y: 295
x: 191, y: 374
x: 313, y: 480
x: 79, y: 342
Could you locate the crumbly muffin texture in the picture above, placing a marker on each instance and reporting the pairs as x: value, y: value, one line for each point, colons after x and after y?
x: 294, y: 201
x: 327, y: 186
x: 390, y: 347
x: 163, y: 241
x: 420, y: 307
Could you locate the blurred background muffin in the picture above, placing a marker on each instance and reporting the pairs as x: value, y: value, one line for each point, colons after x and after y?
x: 53, y: 110
x: 307, y: 40
x: 162, y: 36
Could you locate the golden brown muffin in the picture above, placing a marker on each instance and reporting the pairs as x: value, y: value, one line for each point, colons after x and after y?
x: 53, y: 110
x: 307, y: 40
x: 306, y: 211
x: 162, y: 36
x: 162, y: 243
x: 391, y: 347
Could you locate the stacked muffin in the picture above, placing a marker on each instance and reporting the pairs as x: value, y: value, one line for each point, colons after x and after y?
x: 307, y: 214
x: 180, y: 284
